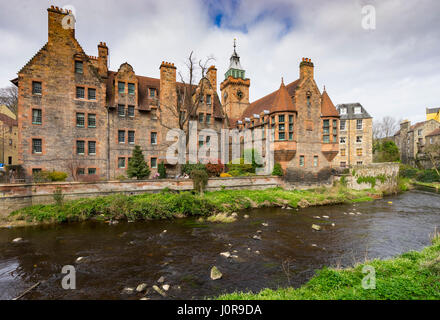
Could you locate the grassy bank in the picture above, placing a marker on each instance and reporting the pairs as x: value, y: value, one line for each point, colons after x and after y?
x: 413, y: 275
x: 167, y: 204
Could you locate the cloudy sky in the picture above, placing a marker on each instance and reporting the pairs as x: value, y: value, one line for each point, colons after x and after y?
x: 392, y: 70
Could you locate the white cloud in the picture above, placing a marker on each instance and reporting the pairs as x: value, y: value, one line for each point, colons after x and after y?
x: 393, y: 70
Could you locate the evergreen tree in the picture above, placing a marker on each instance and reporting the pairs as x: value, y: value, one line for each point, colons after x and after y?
x: 162, y: 170
x: 137, y: 167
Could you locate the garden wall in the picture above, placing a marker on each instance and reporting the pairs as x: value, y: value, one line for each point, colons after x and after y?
x: 381, y: 176
x: 16, y: 196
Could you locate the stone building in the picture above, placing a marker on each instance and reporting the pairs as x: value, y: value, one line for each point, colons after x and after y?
x: 304, y: 121
x: 8, y: 137
x: 75, y: 115
x: 433, y: 113
x: 412, y: 139
x: 356, y: 136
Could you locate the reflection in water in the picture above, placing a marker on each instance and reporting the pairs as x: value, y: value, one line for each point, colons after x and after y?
x: 128, y: 254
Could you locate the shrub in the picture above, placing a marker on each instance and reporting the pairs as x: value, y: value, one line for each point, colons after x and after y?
x: 240, y: 166
x: 277, y: 170
x: 57, y: 176
x: 41, y: 176
x: 235, y: 173
x: 406, y: 171
x: 162, y: 170
x: 121, y: 177
x: 200, y: 180
x: 225, y: 175
x: 58, y: 196
x: 189, y: 167
x: 137, y: 167
x: 214, y: 170
x: 428, y: 176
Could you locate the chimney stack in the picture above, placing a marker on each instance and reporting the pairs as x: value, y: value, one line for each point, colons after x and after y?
x: 61, y: 24
x: 306, y: 69
x: 103, y: 59
x: 212, y: 77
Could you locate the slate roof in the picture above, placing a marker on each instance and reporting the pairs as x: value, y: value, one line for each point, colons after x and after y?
x: 350, y: 111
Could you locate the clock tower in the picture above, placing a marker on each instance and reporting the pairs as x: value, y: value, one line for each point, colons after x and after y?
x: 235, y: 88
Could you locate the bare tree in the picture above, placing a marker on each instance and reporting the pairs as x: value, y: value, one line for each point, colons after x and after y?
x: 385, y: 128
x: 190, y: 96
x: 433, y: 153
x: 9, y: 97
x: 73, y: 165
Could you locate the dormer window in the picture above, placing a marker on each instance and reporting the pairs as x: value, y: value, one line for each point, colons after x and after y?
x: 357, y: 110
x: 79, y: 67
x: 343, y: 110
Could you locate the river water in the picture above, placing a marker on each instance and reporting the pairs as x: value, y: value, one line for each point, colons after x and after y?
x: 289, y: 252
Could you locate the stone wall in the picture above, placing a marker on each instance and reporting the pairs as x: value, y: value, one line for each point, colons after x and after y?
x: 382, y: 175
x: 17, y: 196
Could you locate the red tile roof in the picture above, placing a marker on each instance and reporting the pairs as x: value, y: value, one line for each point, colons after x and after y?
x: 327, y: 107
x: 268, y: 101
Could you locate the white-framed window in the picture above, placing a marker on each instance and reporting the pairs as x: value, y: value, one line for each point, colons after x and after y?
x: 357, y: 110
x: 342, y: 125
x: 359, y: 124
x: 342, y: 140
x: 343, y: 111
x: 359, y: 139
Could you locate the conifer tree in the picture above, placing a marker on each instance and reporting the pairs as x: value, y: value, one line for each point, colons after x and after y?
x: 137, y: 167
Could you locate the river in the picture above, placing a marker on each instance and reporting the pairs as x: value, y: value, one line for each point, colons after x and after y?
x: 289, y: 252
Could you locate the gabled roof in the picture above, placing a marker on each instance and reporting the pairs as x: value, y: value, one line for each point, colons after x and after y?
x: 327, y: 107
x: 144, y: 100
x: 268, y: 101
x: 436, y: 132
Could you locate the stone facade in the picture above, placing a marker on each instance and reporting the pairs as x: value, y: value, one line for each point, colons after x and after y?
x: 8, y: 137
x: 304, y: 121
x: 90, y: 117
x: 356, y: 136
x: 412, y: 139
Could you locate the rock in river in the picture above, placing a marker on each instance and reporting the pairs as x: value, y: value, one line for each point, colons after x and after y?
x: 159, y: 291
x: 225, y: 254
x: 17, y: 240
x: 316, y: 227
x: 166, y: 287
x: 141, y: 287
x: 215, y: 273
x: 256, y: 237
x: 128, y: 290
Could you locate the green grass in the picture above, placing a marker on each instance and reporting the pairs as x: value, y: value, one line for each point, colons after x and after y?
x: 166, y: 205
x: 413, y: 275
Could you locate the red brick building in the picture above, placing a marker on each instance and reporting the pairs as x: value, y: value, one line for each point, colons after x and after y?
x: 76, y: 115
x: 304, y: 121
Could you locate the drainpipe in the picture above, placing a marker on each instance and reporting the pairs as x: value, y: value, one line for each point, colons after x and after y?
x: 108, y: 144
